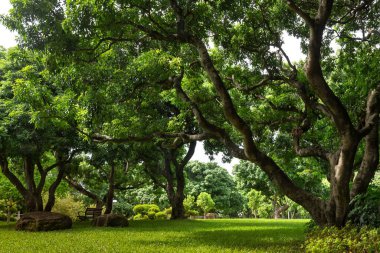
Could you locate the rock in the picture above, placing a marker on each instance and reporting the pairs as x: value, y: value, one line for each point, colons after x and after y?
x: 111, y: 220
x: 43, y: 221
x: 210, y: 216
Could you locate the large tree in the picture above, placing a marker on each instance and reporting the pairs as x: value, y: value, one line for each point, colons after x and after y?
x: 33, y: 148
x: 328, y: 110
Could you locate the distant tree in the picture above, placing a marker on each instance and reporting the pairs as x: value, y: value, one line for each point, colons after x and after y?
x: 211, y: 178
x: 256, y: 202
x: 205, y: 202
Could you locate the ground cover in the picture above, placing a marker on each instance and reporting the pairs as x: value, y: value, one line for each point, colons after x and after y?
x: 222, y: 235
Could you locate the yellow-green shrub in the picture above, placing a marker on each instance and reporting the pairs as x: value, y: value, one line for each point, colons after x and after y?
x: 161, y: 215
x: 69, y: 206
x: 348, y: 239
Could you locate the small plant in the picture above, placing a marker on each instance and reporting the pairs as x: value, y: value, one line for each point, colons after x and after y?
x: 347, y: 239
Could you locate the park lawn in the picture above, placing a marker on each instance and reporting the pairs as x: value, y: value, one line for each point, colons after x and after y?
x: 221, y: 235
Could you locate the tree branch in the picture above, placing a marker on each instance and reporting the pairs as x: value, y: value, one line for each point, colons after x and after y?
x: 306, y: 17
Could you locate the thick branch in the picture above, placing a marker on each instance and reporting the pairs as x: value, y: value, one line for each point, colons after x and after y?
x: 82, y: 190
x: 11, y: 177
x: 370, y: 160
x: 189, y: 154
x: 306, y: 17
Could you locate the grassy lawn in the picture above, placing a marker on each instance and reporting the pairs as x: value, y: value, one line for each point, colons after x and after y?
x: 225, y: 235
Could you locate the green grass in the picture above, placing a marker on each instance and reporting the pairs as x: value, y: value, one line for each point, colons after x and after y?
x: 225, y: 235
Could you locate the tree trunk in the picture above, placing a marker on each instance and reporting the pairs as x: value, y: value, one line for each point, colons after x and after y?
x: 111, y: 190
x: 9, y: 212
x: 280, y: 210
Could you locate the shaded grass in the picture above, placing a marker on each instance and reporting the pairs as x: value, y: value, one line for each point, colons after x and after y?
x: 224, y: 235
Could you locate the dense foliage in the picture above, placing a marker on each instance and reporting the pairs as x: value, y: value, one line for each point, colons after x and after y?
x: 214, y: 180
x: 347, y: 239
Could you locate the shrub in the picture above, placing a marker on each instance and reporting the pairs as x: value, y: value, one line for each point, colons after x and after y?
x: 168, y: 211
x: 161, y: 215
x: 140, y: 217
x: 148, y: 210
x: 151, y: 215
x: 145, y: 208
x: 191, y: 213
x: 123, y: 208
x: 69, y: 206
x: 347, y: 239
x: 154, y: 208
x: 365, y: 208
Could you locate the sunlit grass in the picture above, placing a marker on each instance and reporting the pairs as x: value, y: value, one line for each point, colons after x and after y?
x: 225, y: 235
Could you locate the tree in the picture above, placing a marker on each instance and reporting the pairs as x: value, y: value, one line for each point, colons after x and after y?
x: 244, y: 90
x: 31, y: 146
x: 205, y: 202
x: 256, y: 203
x: 171, y: 167
x: 211, y: 178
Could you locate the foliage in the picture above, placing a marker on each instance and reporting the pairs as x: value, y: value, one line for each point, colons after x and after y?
x: 365, y: 208
x: 258, y: 204
x: 211, y: 178
x: 188, y: 236
x: 160, y: 215
x: 10, y: 199
x: 141, y: 217
x: 123, y: 208
x: 205, y: 202
x: 68, y: 205
x: 190, y: 205
x: 144, y: 211
x: 262, y: 194
x: 346, y: 239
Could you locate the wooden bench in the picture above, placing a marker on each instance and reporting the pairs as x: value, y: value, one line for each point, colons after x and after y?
x: 90, y: 213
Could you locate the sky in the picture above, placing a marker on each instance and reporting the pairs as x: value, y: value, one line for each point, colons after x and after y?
x: 291, y: 47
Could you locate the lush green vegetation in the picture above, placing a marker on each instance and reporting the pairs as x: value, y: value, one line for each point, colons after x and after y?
x: 225, y: 235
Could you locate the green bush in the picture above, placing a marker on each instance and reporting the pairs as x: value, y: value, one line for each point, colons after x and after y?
x: 151, y: 215
x: 145, y: 208
x: 191, y: 213
x: 154, y: 208
x: 365, y: 208
x: 347, y: 239
x: 148, y: 210
x: 123, y: 208
x: 140, y: 217
x: 69, y: 206
x: 161, y: 215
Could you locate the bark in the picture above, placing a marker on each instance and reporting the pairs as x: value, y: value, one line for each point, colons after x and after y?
x: 52, y: 189
x: 370, y: 161
x: 111, y: 190
x: 279, y: 210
